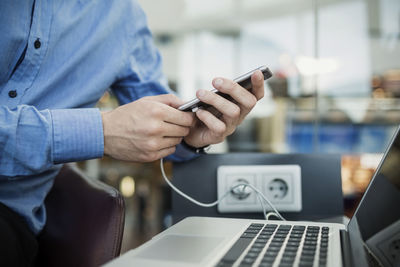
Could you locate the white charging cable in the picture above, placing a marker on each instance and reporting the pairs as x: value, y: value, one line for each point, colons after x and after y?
x: 260, y: 196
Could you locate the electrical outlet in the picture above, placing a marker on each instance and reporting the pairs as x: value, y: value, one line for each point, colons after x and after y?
x: 248, y: 196
x: 281, y: 184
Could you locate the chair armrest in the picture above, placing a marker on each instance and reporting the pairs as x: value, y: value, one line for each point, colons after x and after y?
x: 85, y: 221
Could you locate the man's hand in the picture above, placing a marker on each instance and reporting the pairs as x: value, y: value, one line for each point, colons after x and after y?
x: 145, y: 130
x: 214, y: 125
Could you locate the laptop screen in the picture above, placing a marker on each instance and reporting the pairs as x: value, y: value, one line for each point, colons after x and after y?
x: 374, y: 229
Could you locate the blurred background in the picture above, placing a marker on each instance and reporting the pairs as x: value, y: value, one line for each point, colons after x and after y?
x: 336, y: 87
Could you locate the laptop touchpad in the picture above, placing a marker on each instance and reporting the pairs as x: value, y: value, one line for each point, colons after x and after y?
x: 181, y: 248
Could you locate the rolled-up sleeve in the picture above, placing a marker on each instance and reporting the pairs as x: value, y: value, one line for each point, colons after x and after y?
x: 77, y: 134
x: 32, y: 140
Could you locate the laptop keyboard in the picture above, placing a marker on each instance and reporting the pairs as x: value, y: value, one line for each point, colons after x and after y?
x: 279, y: 245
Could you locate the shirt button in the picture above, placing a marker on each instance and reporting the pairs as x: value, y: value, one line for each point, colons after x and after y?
x: 37, y: 43
x: 12, y: 93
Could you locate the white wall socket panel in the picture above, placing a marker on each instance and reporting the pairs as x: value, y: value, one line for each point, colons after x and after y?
x: 281, y: 184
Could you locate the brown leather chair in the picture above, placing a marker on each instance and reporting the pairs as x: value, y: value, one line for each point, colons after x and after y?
x: 85, y: 222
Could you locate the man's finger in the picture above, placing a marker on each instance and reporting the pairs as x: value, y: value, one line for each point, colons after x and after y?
x: 175, y: 116
x: 223, y: 105
x: 257, y: 81
x: 211, y: 122
x: 168, y: 99
x: 173, y: 130
x: 154, y: 145
x: 166, y: 113
x: 242, y: 96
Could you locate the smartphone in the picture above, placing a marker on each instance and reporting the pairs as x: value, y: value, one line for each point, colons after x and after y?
x: 243, y: 80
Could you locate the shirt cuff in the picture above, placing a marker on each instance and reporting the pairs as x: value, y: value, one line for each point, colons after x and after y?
x: 77, y: 134
x: 182, y: 153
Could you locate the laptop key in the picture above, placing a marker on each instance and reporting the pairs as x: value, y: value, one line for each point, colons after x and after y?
x: 252, y: 255
x: 275, y: 245
x: 306, y: 264
x: 310, y: 242
x: 277, y: 249
x: 247, y: 260
x: 293, y: 249
x: 295, y: 235
x: 292, y: 244
x: 281, y: 234
x: 256, y: 250
x: 236, y: 250
x: 324, y: 245
x: 270, y: 253
x: 290, y: 254
x: 223, y: 264
x: 257, y: 224
x: 258, y: 245
x: 248, y: 235
x: 278, y: 240
x: 269, y: 259
x: 306, y: 258
x: 252, y: 231
x: 261, y: 241
x: 323, y: 260
x: 308, y: 252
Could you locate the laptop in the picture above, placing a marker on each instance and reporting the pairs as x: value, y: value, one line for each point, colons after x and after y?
x: 371, y: 238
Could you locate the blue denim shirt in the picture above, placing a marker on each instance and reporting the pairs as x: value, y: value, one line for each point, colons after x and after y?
x: 57, y: 59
